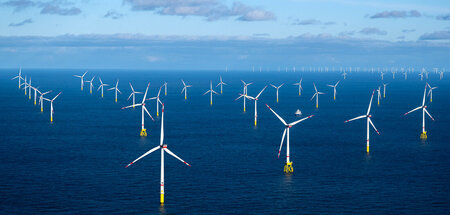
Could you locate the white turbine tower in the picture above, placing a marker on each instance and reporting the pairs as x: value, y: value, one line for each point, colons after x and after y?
x: 334, y: 89
x: 165, y: 88
x: 369, y: 121
x: 300, y: 88
x: 384, y: 90
x: 19, y: 77
x: 210, y: 91
x: 41, y: 99
x: 142, y: 104
x: 25, y: 85
x: 423, y: 135
x: 81, y: 77
x: 244, y: 91
x: 256, y: 101
x: 382, y: 75
x: 51, y: 106
x: 185, y: 89
x: 345, y: 75
x: 91, y: 84
x: 29, y: 88
x: 288, y: 166
x: 430, y: 92
x: 116, y: 89
x: 101, y: 85
x: 163, y: 148
x: 35, y: 94
x: 277, y: 88
x: 316, y: 95
x: 379, y: 94
x: 133, y: 93
x: 158, y: 101
x: 221, y: 83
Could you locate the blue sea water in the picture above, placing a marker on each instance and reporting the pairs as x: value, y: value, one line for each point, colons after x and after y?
x: 75, y: 165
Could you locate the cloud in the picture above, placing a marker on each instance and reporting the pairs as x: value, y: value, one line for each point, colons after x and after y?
x: 396, y: 14
x: 26, y: 21
x: 372, y: 31
x: 408, y: 30
x: 210, y: 9
x: 56, y: 10
x: 54, y: 7
x: 445, y: 17
x: 437, y: 35
x: 113, y: 15
x: 153, y: 59
x: 19, y: 5
x: 311, y: 22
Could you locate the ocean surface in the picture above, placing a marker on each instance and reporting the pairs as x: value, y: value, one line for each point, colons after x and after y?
x: 75, y: 165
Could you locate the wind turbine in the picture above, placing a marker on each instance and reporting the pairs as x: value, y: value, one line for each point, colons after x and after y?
x: 211, y: 91
x: 244, y: 91
x: 369, y: 121
x: 430, y: 92
x: 379, y: 94
x: 221, y: 83
x: 133, y: 93
x: 142, y: 104
x: 277, y: 89
x: 29, y: 88
x: 316, y: 95
x: 25, y: 85
x: 116, y: 89
x: 185, y: 89
x: 163, y: 148
x: 81, y: 77
x: 35, y: 94
x: 19, y: 77
x: 51, y: 106
x: 344, y: 74
x: 101, y: 85
x: 382, y: 75
x: 384, y: 90
x: 165, y: 88
x: 41, y: 99
x: 91, y: 84
x: 157, y: 101
x: 288, y: 166
x: 256, y: 102
x: 423, y: 135
x: 300, y: 88
x: 334, y: 89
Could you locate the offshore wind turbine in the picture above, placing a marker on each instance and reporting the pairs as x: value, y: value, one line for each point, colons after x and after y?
x: 157, y: 101
x: 379, y: 94
x: 221, y: 83
x: 25, y: 85
x: 35, y: 94
x: 316, y: 95
x: 384, y: 89
x: 300, y: 88
x: 19, y: 77
x: 81, y: 77
x: 116, y: 89
x: 430, y: 92
x: 288, y: 166
x: 41, y: 99
x: 165, y: 88
x: 334, y: 89
x: 244, y: 90
x: 101, y: 85
x: 142, y: 104
x: 256, y: 101
x: 51, y: 105
x: 91, y: 84
x: 185, y: 89
x: 423, y: 135
x: 369, y: 121
x: 344, y: 74
x: 277, y: 88
x: 211, y: 91
x: 133, y: 93
x: 163, y: 148
x: 29, y: 88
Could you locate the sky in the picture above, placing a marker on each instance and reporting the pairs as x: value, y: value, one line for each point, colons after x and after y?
x: 214, y: 34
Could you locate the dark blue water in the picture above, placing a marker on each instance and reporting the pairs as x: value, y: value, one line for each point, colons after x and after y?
x: 75, y: 165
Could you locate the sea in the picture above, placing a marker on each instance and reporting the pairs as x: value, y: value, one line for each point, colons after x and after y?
x: 76, y: 164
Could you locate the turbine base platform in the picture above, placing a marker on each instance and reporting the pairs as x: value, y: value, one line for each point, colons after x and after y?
x: 423, y: 135
x: 144, y: 132
x: 288, y: 168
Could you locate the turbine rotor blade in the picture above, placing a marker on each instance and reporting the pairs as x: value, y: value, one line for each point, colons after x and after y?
x: 175, y: 156
x: 145, y: 154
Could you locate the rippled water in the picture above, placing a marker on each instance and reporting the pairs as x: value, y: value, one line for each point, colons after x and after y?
x: 75, y: 165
